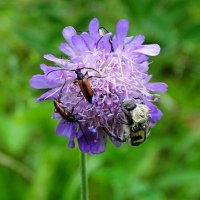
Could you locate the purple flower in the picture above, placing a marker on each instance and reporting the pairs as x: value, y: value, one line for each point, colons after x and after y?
x: 115, y: 66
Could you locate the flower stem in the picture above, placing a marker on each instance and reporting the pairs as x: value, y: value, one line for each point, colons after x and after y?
x: 84, y: 180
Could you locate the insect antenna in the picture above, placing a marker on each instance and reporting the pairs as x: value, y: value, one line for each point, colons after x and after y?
x: 62, y: 69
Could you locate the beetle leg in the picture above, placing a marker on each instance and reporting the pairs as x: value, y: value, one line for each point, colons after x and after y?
x: 75, y: 82
x: 79, y: 94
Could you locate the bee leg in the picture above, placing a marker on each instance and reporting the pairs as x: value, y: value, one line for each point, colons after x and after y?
x: 113, y: 135
x: 121, y: 121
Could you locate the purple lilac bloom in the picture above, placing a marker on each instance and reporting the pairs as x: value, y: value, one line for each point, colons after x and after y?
x: 120, y: 64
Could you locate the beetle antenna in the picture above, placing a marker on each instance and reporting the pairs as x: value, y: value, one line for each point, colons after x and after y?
x: 104, y: 29
x: 59, y: 70
x: 62, y: 69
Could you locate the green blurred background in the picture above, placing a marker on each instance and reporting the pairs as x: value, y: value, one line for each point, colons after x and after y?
x: 36, y: 164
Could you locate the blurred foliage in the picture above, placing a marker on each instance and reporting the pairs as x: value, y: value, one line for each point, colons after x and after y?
x: 36, y: 164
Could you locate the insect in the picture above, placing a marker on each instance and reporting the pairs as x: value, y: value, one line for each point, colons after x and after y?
x: 84, y: 85
x: 82, y: 82
x: 67, y: 115
x: 137, y: 128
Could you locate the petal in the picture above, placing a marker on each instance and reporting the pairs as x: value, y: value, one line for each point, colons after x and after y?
x: 71, y: 143
x: 67, y: 129
x: 114, y: 42
x: 141, y: 58
x: 46, y: 69
x: 147, y: 78
x: 56, y: 115
x: 88, y: 40
x: 64, y: 128
x: 79, y: 43
x: 66, y: 49
x: 157, y: 87
x: 143, y: 67
x: 83, y: 142
x: 51, y: 94
x: 92, y: 143
x: 155, y: 113
x: 104, y: 43
x: 121, y: 32
x: 94, y: 29
x: 150, y: 50
x: 59, y: 61
x: 137, y: 40
x: 42, y: 82
x: 68, y: 32
x: 129, y: 39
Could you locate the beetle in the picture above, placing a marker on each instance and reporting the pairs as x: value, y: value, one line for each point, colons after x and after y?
x: 82, y: 81
x: 68, y: 116
x: 84, y: 85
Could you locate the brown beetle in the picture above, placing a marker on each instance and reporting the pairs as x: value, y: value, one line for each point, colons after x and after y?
x: 84, y: 85
x: 68, y: 116
x: 82, y: 81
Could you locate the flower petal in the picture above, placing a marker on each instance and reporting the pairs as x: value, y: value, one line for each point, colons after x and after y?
x: 79, y: 43
x: 68, y: 32
x: 46, y: 69
x: 94, y: 29
x: 71, y: 143
x: 56, y: 115
x: 137, y: 40
x: 66, y: 49
x: 59, y: 61
x: 143, y: 67
x: 92, y: 143
x: 104, y: 43
x: 42, y: 82
x: 121, y: 32
x: 51, y: 94
x: 64, y: 128
x: 155, y: 113
x: 67, y: 129
x: 88, y: 40
x: 157, y: 87
x: 141, y: 58
x: 150, y: 49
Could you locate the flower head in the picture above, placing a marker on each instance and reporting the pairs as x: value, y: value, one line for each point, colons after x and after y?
x: 101, y: 73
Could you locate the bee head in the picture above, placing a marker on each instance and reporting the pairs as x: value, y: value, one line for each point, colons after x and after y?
x: 128, y: 105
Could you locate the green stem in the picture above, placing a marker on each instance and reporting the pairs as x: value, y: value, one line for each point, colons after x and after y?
x: 84, y: 180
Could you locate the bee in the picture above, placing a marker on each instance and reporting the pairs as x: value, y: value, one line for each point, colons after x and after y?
x: 137, y: 127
